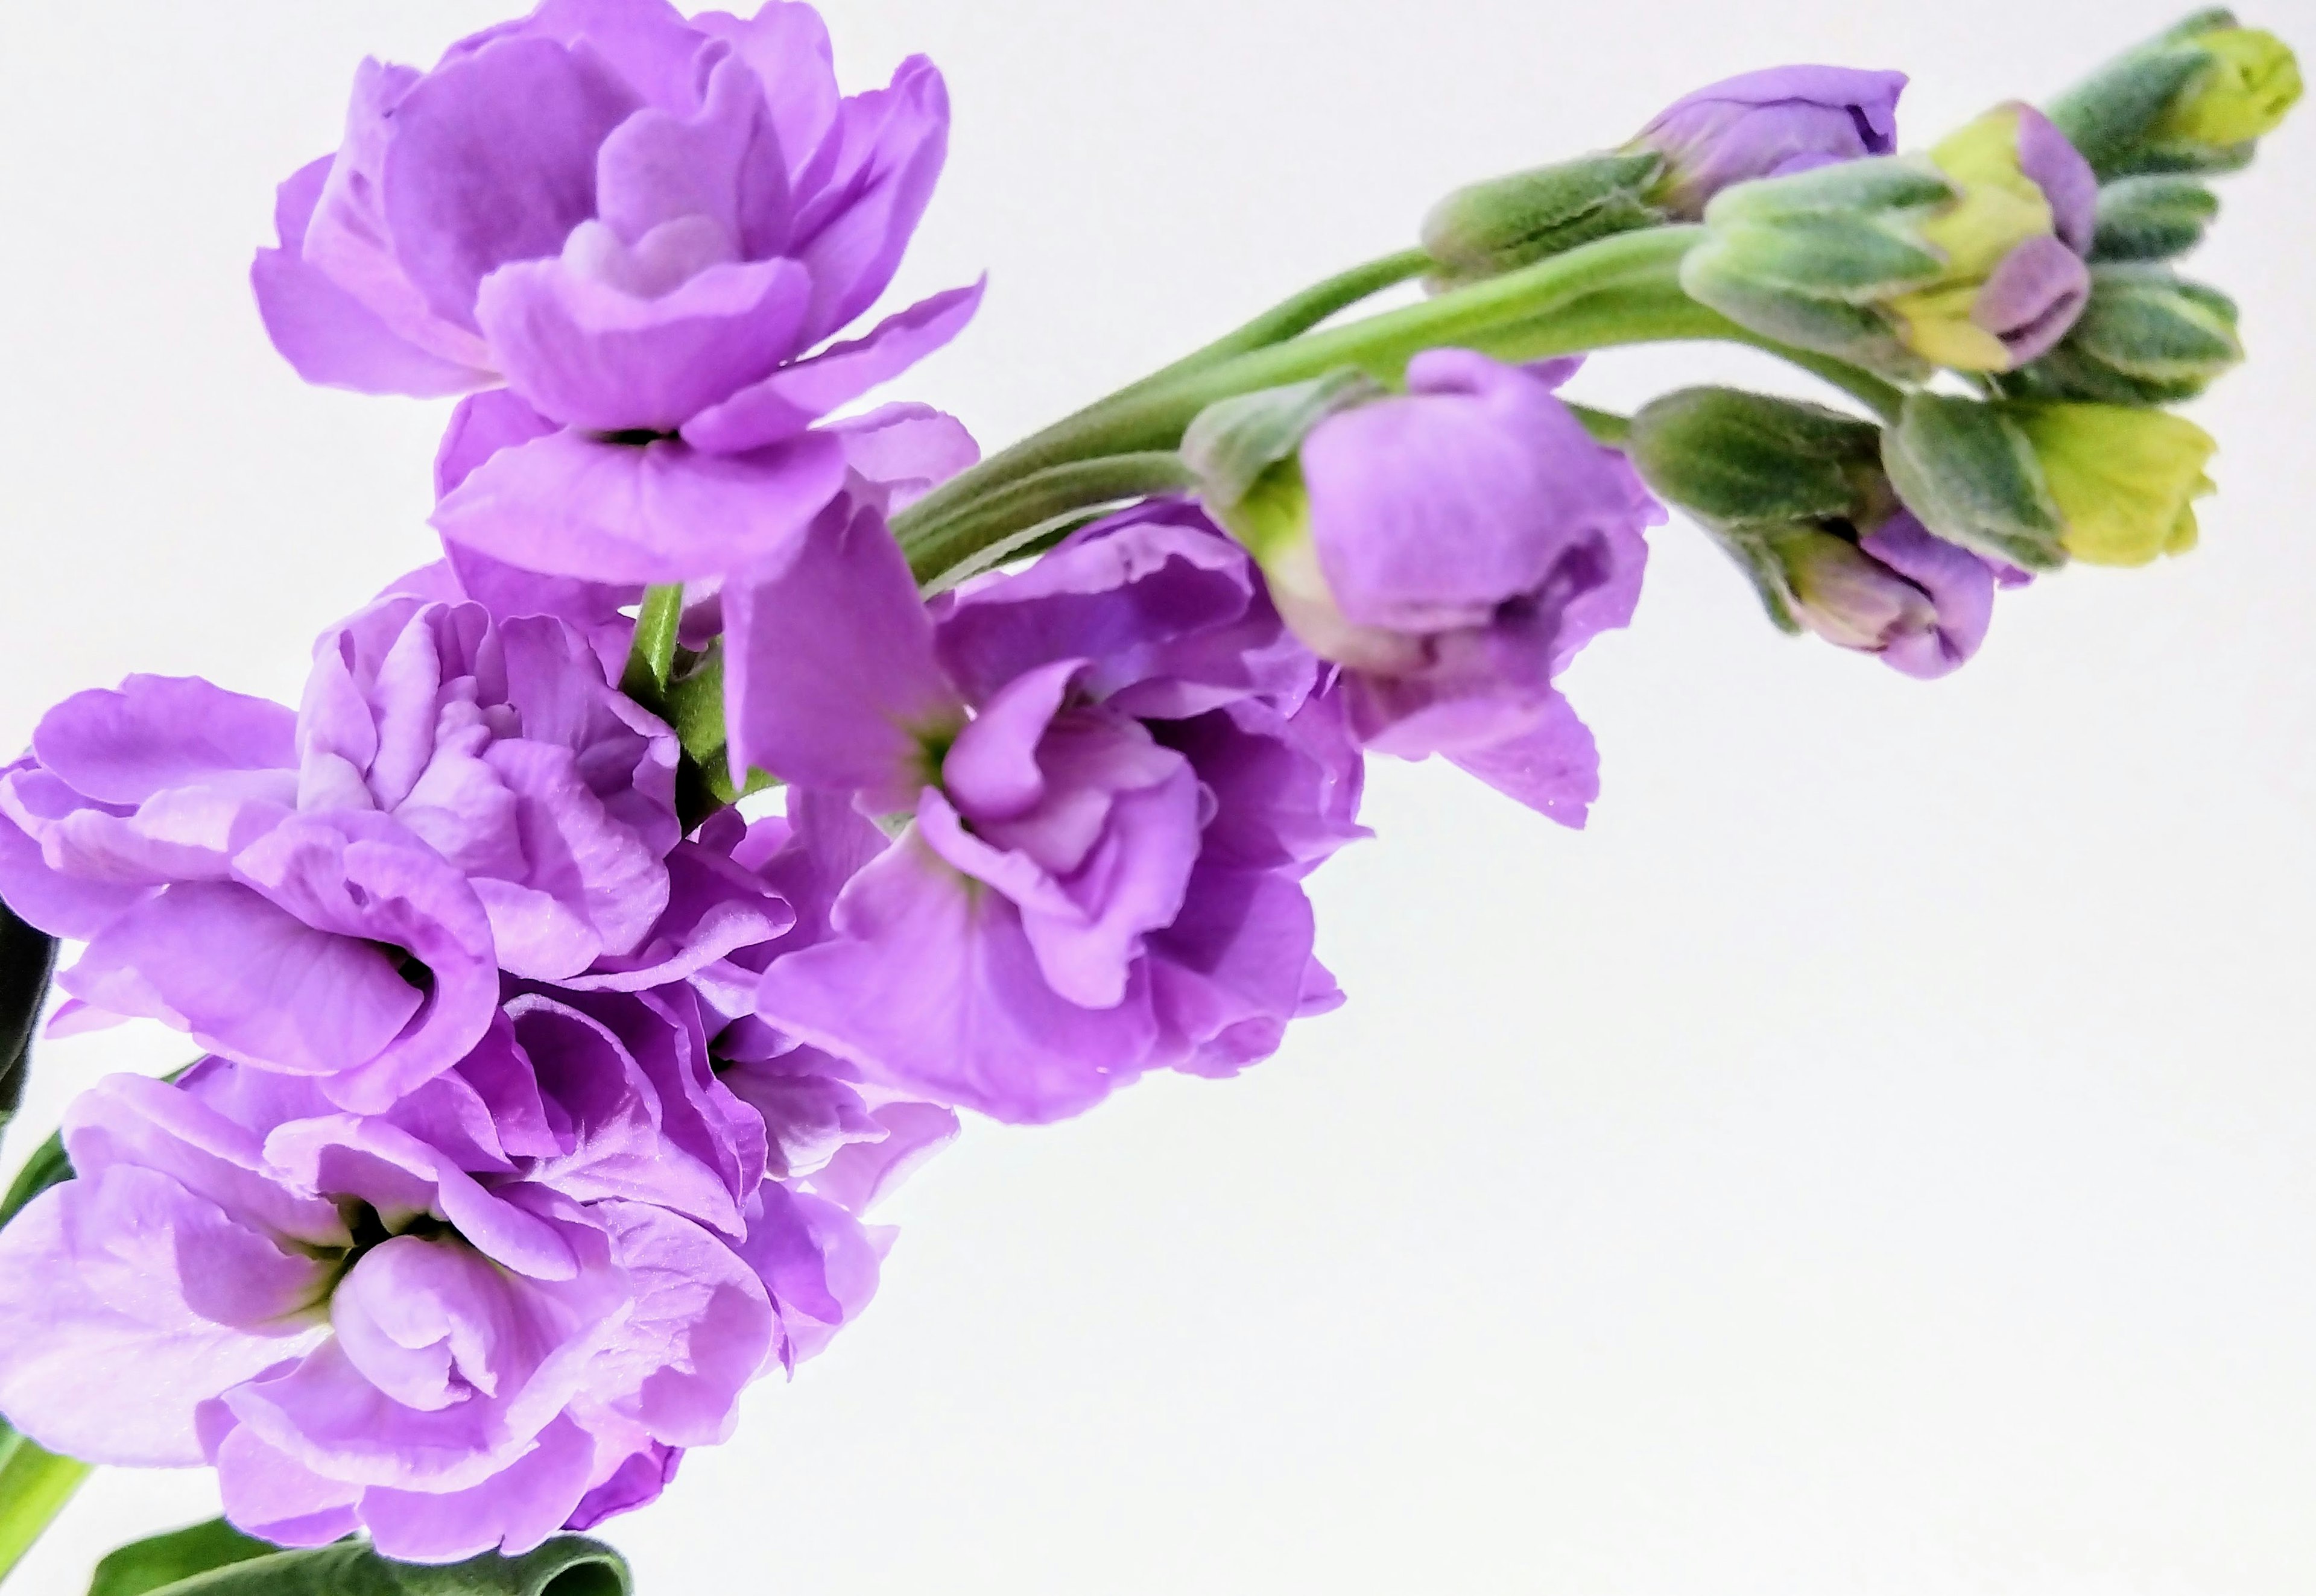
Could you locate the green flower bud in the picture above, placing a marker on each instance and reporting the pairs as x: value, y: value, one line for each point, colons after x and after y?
x: 1506, y: 223
x: 2146, y: 338
x: 2125, y: 480
x: 1734, y: 456
x: 1969, y: 258
x: 1768, y: 478
x: 2197, y: 98
x: 2152, y: 219
x: 2033, y: 482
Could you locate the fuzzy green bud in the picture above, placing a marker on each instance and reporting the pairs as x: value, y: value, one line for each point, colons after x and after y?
x: 2197, y: 98
x: 1499, y: 226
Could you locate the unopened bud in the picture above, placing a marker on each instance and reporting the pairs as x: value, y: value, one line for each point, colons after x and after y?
x: 2146, y: 338
x: 1768, y: 124
x: 2125, y: 480
x: 1970, y: 258
x: 2197, y: 98
x: 1971, y: 475
x: 1846, y: 596
x: 1509, y: 222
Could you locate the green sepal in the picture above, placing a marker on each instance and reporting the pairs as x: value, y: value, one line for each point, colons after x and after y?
x: 2106, y: 116
x: 2156, y: 217
x: 1752, y: 549
x: 1851, y: 333
x: 1232, y: 443
x: 1971, y: 476
x: 1489, y: 228
x: 160, y: 1561
x: 567, y: 1565
x: 28, y: 958
x: 2145, y: 338
x: 1734, y: 457
x: 1876, y: 184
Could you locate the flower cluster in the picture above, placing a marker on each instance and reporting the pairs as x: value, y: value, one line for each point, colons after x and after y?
x: 550, y: 1067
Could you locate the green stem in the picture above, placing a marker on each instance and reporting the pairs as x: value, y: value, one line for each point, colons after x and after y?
x: 651, y: 658
x: 1137, y: 418
x: 1291, y: 318
x: 1023, y: 507
x: 34, y: 1485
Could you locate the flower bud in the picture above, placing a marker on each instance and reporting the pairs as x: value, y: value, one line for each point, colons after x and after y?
x: 2146, y: 338
x: 2197, y: 98
x: 1768, y: 124
x: 2151, y: 218
x: 1734, y: 457
x: 1971, y: 258
x: 1450, y: 547
x: 2242, y: 95
x: 1509, y: 222
x: 2125, y: 480
x: 2032, y: 483
x: 1796, y: 495
x: 1845, y: 595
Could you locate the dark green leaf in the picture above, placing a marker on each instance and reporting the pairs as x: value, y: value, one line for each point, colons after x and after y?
x: 159, y: 1561
x: 567, y: 1565
x: 27, y: 956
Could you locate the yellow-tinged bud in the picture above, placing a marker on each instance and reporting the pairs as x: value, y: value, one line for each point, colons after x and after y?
x: 2125, y: 480
x: 2252, y: 82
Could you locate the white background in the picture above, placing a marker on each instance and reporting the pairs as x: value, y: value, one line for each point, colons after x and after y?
x: 1875, y: 1156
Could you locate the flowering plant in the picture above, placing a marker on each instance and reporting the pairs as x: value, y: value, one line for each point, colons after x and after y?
x: 639, y: 891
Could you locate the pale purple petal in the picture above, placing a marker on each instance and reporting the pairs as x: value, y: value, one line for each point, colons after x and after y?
x: 593, y: 355
x: 110, y: 1286
x: 2052, y: 164
x: 888, y: 147
x: 794, y: 397
x: 2032, y: 297
x: 159, y: 732
x: 1961, y: 587
x: 932, y: 987
x: 660, y: 512
x: 830, y: 678
x: 510, y: 1512
x: 1553, y: 766
x: 492, y: 159
x: 327, y: 334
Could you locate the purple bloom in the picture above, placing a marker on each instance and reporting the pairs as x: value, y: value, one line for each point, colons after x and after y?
x: 1767, y: 124
x: 1464, y: 541
x: 499, y: 1308
x: 648, y: 230
x: 1115, y: 769
x: 334, y: 892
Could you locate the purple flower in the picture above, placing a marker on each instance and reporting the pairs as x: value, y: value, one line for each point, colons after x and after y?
x: 648, y: 230
x: 334, y: 892
x: 1454, y: 546
x: 1115, y: 770
x: 499, y: 1308
x: 1767, y: 124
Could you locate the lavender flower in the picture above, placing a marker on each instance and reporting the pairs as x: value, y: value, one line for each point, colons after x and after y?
x: 647, y: 229
x: 496, y: 1308
x: 1767, y: 124
x: 334, y: 892
x: 1115, y: 768
x: 1451, y: 548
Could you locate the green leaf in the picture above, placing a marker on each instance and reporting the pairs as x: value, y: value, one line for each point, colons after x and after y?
x: 27, y: 957
x: 159, y: 1561
x: 567, y: 1565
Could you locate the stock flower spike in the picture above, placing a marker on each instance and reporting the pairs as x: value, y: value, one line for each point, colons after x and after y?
x: 755, y: 782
